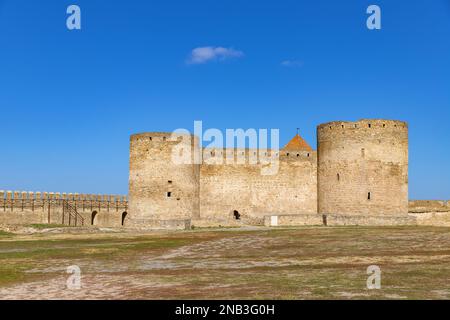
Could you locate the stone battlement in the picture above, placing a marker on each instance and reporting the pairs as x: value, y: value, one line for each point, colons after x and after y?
x: 31, y: 195
x: 232, y: 155
x: 25, y: 207
x: 359, y: 168
x: 364, y: 124
x: 419, y: 206
x: 357, y: 176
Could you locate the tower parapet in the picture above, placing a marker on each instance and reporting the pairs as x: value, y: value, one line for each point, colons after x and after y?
x: 159, y: 187
x: 363, y: 167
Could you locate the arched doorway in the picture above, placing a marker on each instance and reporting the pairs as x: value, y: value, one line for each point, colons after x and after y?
x: 93, y: 216
x: 236, y: 215
x: 124, y: 215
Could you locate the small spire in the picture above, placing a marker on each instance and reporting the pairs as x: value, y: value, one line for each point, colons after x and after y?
x: 298, y: 143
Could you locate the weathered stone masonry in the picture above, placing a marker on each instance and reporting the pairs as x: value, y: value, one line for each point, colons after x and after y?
x: 160, y: 189
x: 358, y: 176
x: 363, y: 167
x: 215, y: 189
x: 56, y: 208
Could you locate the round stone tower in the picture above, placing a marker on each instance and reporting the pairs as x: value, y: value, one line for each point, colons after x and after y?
x: 164, y: 178
x: 363, y: 167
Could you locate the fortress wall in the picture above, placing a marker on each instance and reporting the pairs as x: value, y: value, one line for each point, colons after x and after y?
x: 370, y: 220
x: 339, y: 220
x: 159, y: 188
x: 17, y: 207
x: 363, y: 167
x: 312, y: 219
x: 173, y: 224
x: 431, y: 212
x: 438, y: 219
x: 225, y: 188
x: 429, y: 206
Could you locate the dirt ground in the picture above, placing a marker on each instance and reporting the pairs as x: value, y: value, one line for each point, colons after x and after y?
x: 254, y: 263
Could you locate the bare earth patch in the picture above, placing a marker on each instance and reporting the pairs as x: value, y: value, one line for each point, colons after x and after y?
x: 290, y: 263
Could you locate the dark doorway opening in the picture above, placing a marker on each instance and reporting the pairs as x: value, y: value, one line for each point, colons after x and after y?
x: 236, y: 215
x: 124, y: 215
x: 94, y: 214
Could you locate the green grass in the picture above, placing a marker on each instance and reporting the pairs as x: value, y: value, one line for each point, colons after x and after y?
x: 41, y: 226
x: 10, y: 274
x: 5, y: 234
x: 19, y: 257
x: 291, y: 263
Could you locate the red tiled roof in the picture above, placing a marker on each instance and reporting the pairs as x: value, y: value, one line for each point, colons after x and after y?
x: 297, y: 143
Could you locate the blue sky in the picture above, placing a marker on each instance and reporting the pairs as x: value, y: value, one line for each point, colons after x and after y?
x: 70, y: 99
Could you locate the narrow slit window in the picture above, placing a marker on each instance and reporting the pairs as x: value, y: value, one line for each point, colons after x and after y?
x: 369, y: 196
x: 169, y: 194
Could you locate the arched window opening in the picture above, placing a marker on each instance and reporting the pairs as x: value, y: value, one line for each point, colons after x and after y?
x: 93, y: 216
x: 124, y: 215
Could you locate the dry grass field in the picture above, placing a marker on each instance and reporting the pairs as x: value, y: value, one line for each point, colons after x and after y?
x: 258, y: 263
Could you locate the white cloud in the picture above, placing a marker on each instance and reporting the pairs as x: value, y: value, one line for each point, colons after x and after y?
x: 292, y: 63
x: 206, y: 54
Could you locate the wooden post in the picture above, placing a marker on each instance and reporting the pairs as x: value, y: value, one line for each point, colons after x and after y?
x: 48, y: 214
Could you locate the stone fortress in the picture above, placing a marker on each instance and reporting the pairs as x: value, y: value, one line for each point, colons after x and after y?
x: 357, y: 176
